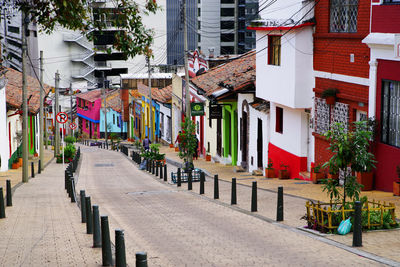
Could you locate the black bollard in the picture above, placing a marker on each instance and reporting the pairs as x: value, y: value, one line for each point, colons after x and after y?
x: 66, y: 179
x: 153, y: 167
x: 233, y: 193
x: 202, y: 179
x: 216, y: 187
x: 178, y: 174
x: 147, y: 165
x: 2, y: 208
x: 96, y: 227
x: 9, y: 194
x: 83, y: 206
x: 89, y: 217
x: 32, y: 170
x: 161, y: 171
x: 141, y: 259
x: 357, y: 228
x: 39, y: 167
x: 279, y: 211
x: 73, y: 190
x: 105, y: 242
x: 165, y: 173
x: 120, y: 258
x: 254, y: 196
x: 156, y: 167
x: 190, y: 184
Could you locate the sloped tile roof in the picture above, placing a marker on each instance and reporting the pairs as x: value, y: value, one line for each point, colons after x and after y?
x: 114, y: 100
x: 90, y: 96
x: 14, y: 90
x: 233, y: 75
x: 135, y: 93
x: 261, y: 105
x: 163, y: 95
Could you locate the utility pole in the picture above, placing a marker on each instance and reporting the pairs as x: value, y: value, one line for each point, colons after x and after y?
x: 70, y: 103
x: 56, y: 110
x: 45, y: 117
x: 41, y: 148
x: 24, y: 104
x: 235, y: 28
x: 187, y: 93
x: 105, y: 107
x: 150, y: 135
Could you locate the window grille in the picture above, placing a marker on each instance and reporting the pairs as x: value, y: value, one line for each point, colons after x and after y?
x: 390, y: 113
x: 321, y: 116
x: 340, y: 113
x: 343, y: 15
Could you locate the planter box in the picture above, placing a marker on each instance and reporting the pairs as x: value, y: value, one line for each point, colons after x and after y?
x: 366, y: 179
x: 171, y: 145
x: 326, y: 217
x: 176, y: 149
x: 330, y: 100
x: 20, y: 161
x: 14, y: 166
x: 316, y: 176
x: 208, y: 157
x: 270, y: 173
x: 284, y: 174
x: 333, y: 176
x: 396, y: 188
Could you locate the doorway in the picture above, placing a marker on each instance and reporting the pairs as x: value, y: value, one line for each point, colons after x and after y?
x: 219, y: 138
x: 259, y: 144
x: 244, y: 139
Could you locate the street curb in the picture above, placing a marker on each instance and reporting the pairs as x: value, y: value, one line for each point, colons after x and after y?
x: 180, y: 165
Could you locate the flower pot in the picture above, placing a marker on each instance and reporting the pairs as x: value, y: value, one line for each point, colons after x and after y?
x: 396, y: 188
x: 270, y: 173
x: 316, y: 176
x: 20, y: 161
x: 284, y: 174
x: 171, y: 145
x: 176, y: 149
x: 36, y: 155
x: 330, y: 100
x: 366, y: 179
x: 333, y: 176
x: 208, y: 157
x: 15, y: 166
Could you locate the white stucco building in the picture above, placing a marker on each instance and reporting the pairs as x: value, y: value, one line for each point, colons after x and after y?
x: 4, y: 144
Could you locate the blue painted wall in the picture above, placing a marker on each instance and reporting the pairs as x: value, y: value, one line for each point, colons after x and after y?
x: 114, y: 119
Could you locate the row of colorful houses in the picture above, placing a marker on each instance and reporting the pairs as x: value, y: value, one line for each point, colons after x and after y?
x: 11, y: 116
x: 268, y: 104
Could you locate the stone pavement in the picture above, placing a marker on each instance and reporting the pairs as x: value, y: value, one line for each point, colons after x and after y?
x: 382, y: 243
x: 43, y: 227
x: 180, y: 228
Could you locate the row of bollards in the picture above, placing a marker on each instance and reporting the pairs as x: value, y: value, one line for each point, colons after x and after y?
x: 8, y: 199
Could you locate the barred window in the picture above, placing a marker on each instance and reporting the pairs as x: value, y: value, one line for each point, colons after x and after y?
x: 390, y: 113
x: 343, y: 15
x: 326, y: 115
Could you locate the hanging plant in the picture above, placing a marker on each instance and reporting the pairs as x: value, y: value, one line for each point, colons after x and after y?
x: 330, y: 95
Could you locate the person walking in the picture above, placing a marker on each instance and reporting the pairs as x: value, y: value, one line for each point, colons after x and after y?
x: 196, y: 148
x: 146, y: 143
x: 179, y: 140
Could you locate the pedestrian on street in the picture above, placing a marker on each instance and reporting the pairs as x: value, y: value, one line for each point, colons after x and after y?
x: 196, y: 153
x: 179, y: 140
x: 146, y: 143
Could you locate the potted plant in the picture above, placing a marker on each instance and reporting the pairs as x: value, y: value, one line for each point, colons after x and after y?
x: 171, y: 145
x: 284, y: 172
x: 15, y: 164
x: 330, y: 95
x: 208, y: 157
x: 316, y: 174
x: 396, y: 184
x: 270, y: 171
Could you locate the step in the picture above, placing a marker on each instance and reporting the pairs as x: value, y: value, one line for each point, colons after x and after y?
x: 238, y: 169
x: 257, y: 173
x: 305, y: 175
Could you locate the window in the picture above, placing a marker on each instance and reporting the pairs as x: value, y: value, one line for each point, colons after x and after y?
x: 86, y: 124
x: 391, y: 1
x: 227, y: 25
x: 279, y: 120
x: 198, y: 38
x: 227, y: 50
x: 227, y: 1
x: 13, y: 29
x: 199, y: 12
x: 343, y: 15
x: 227, y: 12
x: 113, y: 118
x: 390, y: 113
x: 227, y: 37
x: 274, y: 50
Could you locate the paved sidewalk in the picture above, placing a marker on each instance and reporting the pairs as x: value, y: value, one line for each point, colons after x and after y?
x: 43, y: 227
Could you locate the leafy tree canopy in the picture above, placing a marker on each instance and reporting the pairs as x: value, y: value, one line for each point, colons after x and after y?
x: 131, y: 38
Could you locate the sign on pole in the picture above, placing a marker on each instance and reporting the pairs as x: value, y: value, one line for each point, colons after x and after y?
x: 215, y: 112
x: 62, y: 117
x: 197, y: 108
x: 72, y: 125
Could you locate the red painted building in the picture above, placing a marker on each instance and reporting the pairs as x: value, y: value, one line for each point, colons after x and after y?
x: 384, y: 88
x: 341, y: 62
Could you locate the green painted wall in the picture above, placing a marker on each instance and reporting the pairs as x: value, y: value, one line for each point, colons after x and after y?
x: 132, y: 133
x: 230, y: 127
x: 31, y: 135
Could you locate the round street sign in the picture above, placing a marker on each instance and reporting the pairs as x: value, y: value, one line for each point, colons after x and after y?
x: 72, y: 125
x: 62, y: 117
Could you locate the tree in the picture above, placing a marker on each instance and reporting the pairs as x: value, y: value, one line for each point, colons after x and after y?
x: 188, y: 141
x: 350, y: 150
x: 131, y: 37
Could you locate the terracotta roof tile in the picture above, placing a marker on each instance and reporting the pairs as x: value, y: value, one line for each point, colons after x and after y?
x: 90, y: 95
x: 233, y: 75
x: 163, y: 95
x: 114, y: 100
x: 260, y: 105
x: 14, y: 90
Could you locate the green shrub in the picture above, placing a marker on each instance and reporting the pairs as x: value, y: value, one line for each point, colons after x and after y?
x: 69, y: 139
x: 69, y: 151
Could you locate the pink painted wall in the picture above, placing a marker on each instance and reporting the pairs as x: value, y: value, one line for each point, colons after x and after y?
x: 93, y: 112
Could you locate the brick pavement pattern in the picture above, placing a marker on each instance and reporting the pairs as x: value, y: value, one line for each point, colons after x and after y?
x: 177, y: 228
x: 43, y: 227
